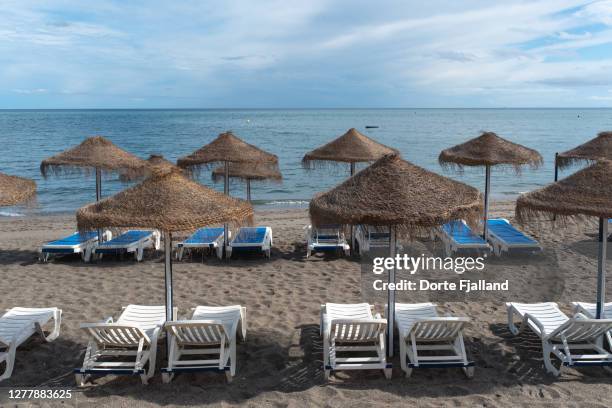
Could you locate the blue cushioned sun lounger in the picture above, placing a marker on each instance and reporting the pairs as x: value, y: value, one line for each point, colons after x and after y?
x: 251, y: 239
x: 325, y: 239
x: 77, y: 243
x: 370, y: 236
x: 133, y: 241
x: 503, y: 236
x: 206, y: 238
x: 458, y: 235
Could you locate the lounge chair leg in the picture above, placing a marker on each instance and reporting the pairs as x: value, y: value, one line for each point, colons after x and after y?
x: 408, y: 372
x: 326, y: 374
x: 144, y: 379
x: 388, y: 373
x: 167, y: 377
x: 80, y: 380
x: 548, y: 362
x: 228, y: 376
x: 469, y: 371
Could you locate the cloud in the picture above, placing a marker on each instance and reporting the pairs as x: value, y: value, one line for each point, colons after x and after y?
x: 316, y: 53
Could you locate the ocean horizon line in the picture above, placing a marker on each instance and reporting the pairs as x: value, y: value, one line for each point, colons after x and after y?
x: 304, y: 109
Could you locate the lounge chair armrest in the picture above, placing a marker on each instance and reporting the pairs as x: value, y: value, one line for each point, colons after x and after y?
x: 378, y: 316
x: 530, y: 317
x: 581, y: 315
x: 357, y: 321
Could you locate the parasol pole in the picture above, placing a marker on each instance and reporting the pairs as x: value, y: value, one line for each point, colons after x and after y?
x: 168, y: 274
x: 99, y: 197
x: 601, y: 266
x: 352, y: 226
x: 226, y: 192
x: 391, y: 293
x: 556, y: 178
x: 486, y: 200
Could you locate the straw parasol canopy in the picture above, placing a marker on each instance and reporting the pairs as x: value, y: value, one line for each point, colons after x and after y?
x: 397, y: 193
x: 157, y: 160
x: 248, y: 171
x: 15, y: 190
x: 167, y: 201
x: 489, y: 149
x: 587, y: 192
x: 351, y: 147
x: 595, y: 149
x: 94, y: 153
x: 227, y: 148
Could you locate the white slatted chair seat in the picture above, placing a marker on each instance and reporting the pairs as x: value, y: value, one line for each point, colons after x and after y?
x: 561, y: 335
x: 132, y: 337
x: 18, y: 324
x: 210, y: 334
x: 420, y: 327
x: 351, y: 329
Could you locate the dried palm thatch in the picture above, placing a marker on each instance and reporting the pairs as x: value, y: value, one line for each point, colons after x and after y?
x: 167, y: 201
x: 248, y: 171
x: 351, y: 147
x: 15, y: 190
x: 587, y: 192
x: 154, y: 161
x: 93, y: 153
x: 227, y: 148
x: 397, y: 193
x: 489, y: 149
x: 595, y: 149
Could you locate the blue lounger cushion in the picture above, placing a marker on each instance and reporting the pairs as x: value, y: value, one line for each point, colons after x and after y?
x: 505, y: 231
x: 204, y: 236
x: 250, y: 236
x: 72, y: 240
x: 462, y: 233
x: 125, y: 239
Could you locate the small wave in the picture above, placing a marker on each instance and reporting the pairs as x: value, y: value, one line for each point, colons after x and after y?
x: 10, y: 214
x: 282, y: 203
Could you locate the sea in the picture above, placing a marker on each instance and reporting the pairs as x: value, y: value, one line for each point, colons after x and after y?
x: 29, y: 136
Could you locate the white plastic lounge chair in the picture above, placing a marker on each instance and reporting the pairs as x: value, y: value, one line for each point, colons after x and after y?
x: 133, y: 241
x: 204, y: 238
x: 562, y: 335
x: 504, y: 237
x: 251, y: 239
x: 19, y: 324
x: 421, y: 329
x: 369, y: 236
x: 326, y: 238
x: 350, y: 331
x: 210, y: 334
x: 124, y: 346
x: 77, y: 243
x: 457, y: 235
x: 590, y: 309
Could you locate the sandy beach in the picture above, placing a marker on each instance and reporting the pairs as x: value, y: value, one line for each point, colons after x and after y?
x: 280, y: 364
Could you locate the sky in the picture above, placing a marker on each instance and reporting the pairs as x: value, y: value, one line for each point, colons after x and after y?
x: 305, y: 54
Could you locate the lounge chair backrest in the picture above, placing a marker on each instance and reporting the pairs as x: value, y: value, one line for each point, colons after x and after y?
x: 438, y: 328
x: 348, y: 311
x: 145, y: 317
x: 581, y: 329
x: 116, y: 335
x: 362, y: 330
x: 197, y: 332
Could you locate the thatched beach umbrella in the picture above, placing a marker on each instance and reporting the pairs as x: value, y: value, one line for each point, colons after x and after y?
x: 169, y: 202
x: 489, y: 150
x: 227, y: 148
x: 248, y: 172
x: 96, y: 154
x: 587, y: 192
x: 395, y: 193
x: 154, y: 161
x: 352, y: 147
x: 15, y: 190
x: 595, y: 149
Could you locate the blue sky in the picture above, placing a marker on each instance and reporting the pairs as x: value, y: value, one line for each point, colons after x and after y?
x: 315, y: 53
